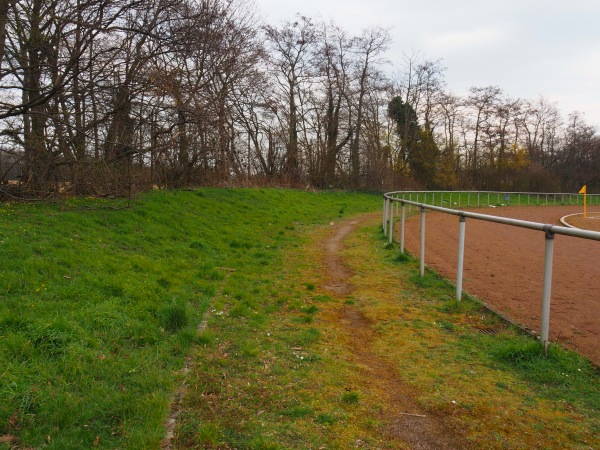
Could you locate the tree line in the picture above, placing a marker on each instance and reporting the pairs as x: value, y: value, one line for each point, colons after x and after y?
x: 105, y: 97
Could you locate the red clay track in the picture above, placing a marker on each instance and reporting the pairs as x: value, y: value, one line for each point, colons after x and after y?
x: 504, y: 267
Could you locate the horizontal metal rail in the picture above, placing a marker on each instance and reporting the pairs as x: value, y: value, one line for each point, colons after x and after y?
x: 556, y: 229
x: 550, y: 230
x: 493, y: 198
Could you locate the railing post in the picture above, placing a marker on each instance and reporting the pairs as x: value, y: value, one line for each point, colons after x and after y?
x: 402, y: 220
x: 422, y: 255
x: 385, y: 214
x: 548, y: 259
x: 461, y: 257
x: 392, y: 225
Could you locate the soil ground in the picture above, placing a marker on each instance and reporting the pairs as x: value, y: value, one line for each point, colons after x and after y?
x: 417, y: 429
x: 591, y: 222
x: 504, y: 268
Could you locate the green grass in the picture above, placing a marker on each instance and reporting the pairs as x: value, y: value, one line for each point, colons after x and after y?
x: 549, y: 387
x: 556, y: 373
x: 283, y: 374
x: 99, y: 304
x: 100, y: 307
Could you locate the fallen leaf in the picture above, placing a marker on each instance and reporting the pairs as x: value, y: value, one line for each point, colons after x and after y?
x: 14, y: 419
x: 96, y: 441
x: 7, y: 439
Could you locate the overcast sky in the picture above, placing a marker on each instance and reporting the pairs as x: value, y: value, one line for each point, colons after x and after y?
x: 528, y: 48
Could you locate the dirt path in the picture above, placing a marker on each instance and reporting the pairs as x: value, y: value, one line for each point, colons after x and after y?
x: 406, y: 422
x: 504, y: 268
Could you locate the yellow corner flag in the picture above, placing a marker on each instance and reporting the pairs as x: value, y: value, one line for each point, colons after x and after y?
x: 584, y: 192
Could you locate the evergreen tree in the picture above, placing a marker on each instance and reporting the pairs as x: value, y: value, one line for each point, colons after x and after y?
x: 417, y: 145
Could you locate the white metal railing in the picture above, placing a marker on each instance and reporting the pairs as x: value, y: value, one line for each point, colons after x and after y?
x: 404, y: 199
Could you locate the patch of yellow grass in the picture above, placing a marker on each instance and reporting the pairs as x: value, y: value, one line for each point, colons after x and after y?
x: 494, y: 408
x: 280, y: 390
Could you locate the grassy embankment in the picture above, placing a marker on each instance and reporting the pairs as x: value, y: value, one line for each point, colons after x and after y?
x: 99, y: 308
x: 99, y: 305
x: 277, y: 372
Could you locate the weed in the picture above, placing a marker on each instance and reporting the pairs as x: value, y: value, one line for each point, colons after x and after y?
x: 205, y: 338
x: 308, y: 336
x: 521, y: 352
x: 464, y: 306
x: 445, y: 325
x: 164, y: 283
x: 560, y: 372
x: 312, y: 309
x: 175, y: 316
x: 430, y: 280
x: 403, y: 258
x: 325, y: 419
x: 350, y: 398
x: 297, y: 412
x: 322, y: 298
x: 208, y: 434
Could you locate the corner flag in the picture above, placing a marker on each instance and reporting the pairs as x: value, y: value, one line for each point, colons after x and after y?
x: 584, y: 192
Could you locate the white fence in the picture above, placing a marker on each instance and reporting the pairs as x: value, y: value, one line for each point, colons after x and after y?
x: 426, y: 200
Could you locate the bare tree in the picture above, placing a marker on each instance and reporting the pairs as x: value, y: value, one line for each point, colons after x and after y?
x: 290, y: 54
x: 369, y: 48
x: 481, y: 101
x: 45, y: 43
x: 333, y: 61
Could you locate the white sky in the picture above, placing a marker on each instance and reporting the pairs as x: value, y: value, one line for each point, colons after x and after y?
x: 528, y: 48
